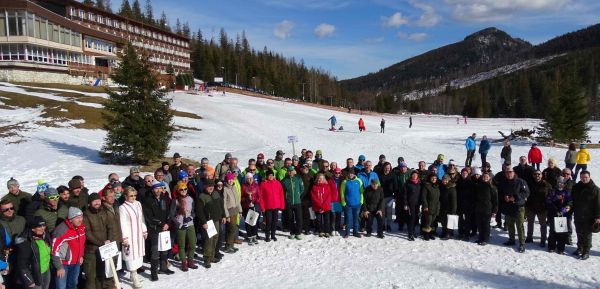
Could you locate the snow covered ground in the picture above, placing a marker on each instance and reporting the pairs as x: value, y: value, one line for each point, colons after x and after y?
x: 245, y: 126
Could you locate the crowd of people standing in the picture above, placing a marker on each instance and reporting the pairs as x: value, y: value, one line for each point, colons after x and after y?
x: 52, y: 237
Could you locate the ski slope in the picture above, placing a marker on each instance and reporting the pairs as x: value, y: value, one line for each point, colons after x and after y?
x: 245, y: 126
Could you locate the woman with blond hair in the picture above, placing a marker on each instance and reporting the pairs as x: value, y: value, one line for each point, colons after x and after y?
x: 182, y: 215
x: 552, y: 173
x: 133, y: 227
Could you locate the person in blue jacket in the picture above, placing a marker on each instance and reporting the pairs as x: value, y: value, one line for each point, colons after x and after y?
x: 484, y: 148
x: 470, y: 145
x: 360, y: 166
x: 440, y: 167
x: 367, y: 175
x: 351, y: 194
x: 333, y: 122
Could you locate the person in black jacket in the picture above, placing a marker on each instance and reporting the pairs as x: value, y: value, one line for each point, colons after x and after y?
x: 524, y: 171
x: 134, y: 180
x: 373, y: 207
x: 514, y: 194
x: 31, y: 247
x: 412, y: 200
x: 389, y: 184
x: 497, y: 180
x: 430, y: 206
x: 156, y: 214
x: 447, y: 205
x: 485, y: 206
x: 464, y: 202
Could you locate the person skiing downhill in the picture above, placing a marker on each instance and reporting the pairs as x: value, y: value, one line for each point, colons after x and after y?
x: 361, y: 125
x: 333, y: 122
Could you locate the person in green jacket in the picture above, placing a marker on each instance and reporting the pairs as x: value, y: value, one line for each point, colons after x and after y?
x: 293, y: 188
x: 281, y: 173
x: 586, y: 209
x: 19, y: 198
x: 210, y: 208
x: 52, y: 213
x: 12, y: 223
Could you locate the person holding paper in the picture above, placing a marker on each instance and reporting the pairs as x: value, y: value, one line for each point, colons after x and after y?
x: 447, y: 205
x: 156, y: 214
x: 98, y: 231
x: 210, y: 208
x: 485, y: 205
x: 250, y: 201
x: 321, y: 204
x: 293, y: 188
x: 558, y: 204
x: 134, y: 232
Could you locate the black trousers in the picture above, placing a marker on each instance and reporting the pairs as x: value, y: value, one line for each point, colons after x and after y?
x: 413, y: 218
x: 251, y: 231
x: 285, y: 218
x: 373, y: 215
x: 483, y: 226
x: 323, y: 222
x: 271, y: 220
x: 294, y: 220
x: 469, y: 160
x: 464, y: 224
x: 556, y: 241
x: 483, y: 158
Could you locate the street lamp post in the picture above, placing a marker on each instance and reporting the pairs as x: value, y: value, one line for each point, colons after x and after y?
x: 224, y: 71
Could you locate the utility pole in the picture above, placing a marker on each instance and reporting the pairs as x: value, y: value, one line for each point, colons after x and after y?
x: 303, y: 83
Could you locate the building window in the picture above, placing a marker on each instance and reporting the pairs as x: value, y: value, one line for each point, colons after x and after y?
x: 91, y: 16
x: 56, y: 33
x: 81, y: 14
x: 30, y: 25
x: 100, y: 19
x: 2, y: 23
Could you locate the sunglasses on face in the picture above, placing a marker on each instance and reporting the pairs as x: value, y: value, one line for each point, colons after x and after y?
x: 183, y: 190
x: 8, y: 209
x: 53, y: 198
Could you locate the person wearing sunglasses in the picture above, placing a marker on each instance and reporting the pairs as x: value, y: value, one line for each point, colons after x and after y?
x: 13, y: 223
x: 19, y: 198
x: 52, y: 213
x: 134, y: 232
x: 182, y: 214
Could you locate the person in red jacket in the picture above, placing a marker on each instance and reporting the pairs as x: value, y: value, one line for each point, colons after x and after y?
x: 535, y: 156
x: 251, y: 201
x: 321, y: 204
x: 68, y: 244
x: 271, y: 201
x: 361, y: 125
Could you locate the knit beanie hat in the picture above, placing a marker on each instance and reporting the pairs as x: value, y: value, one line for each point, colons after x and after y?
x: 229, y: 176
x: 51, y: 192
x: 182, y: 175
x: 41, y: 187
x: 249, y: 176
x: 74, y: 212
x: 180, y: 185
x: 12, y: 182
x: 156, y: 184
x: 93, y: 197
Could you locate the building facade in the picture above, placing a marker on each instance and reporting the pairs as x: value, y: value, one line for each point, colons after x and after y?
x: 69, y: 42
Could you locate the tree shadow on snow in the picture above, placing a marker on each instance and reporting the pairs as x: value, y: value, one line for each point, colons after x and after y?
x: 75, y: 150
x: 509, y: 281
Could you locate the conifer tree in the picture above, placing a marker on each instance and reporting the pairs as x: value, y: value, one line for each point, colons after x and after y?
x: 149, y: 14
x: 88, y: 2
x: 125, y: 9
x: 138, y: 118
x: 137, y: 10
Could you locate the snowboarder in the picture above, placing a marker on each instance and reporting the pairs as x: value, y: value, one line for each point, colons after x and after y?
x: 382, y: 125
x: 333, y: 122
x: 410, y: 122
x: 361, y: 125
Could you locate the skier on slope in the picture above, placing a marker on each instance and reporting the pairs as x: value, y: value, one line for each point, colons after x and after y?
x: 333, y: 122
x: 361, y: 125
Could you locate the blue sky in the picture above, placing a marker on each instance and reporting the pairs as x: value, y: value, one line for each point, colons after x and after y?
x: 350, y: 38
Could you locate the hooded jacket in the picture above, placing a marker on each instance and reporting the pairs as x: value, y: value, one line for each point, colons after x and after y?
x: 271, y: 195
x: 68, y: 243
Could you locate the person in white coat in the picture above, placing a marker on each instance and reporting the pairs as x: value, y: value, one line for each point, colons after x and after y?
x: 133, y: 227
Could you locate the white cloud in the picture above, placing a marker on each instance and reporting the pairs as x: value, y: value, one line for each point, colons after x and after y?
x: 429, y: 18
x: 416, y: 37
x: 375, y: 40
x: 324, y: 30
x: 489, y: 10
x: 283, y: 29
x: 395, y: 20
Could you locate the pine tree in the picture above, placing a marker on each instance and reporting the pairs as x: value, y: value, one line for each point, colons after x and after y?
x: 567, y: 118
x: 138, y: 118
x: 185, y: 30
x: 178, y: 27
x: 163, y: 22
x: 149, y: 15
x: 88, y: 2
x: 108, y: 5
x: 125, y: 10
x: 137, y: 10
x: 100, y: 4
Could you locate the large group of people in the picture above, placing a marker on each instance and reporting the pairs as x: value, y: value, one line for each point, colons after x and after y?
x: 51, y: 239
